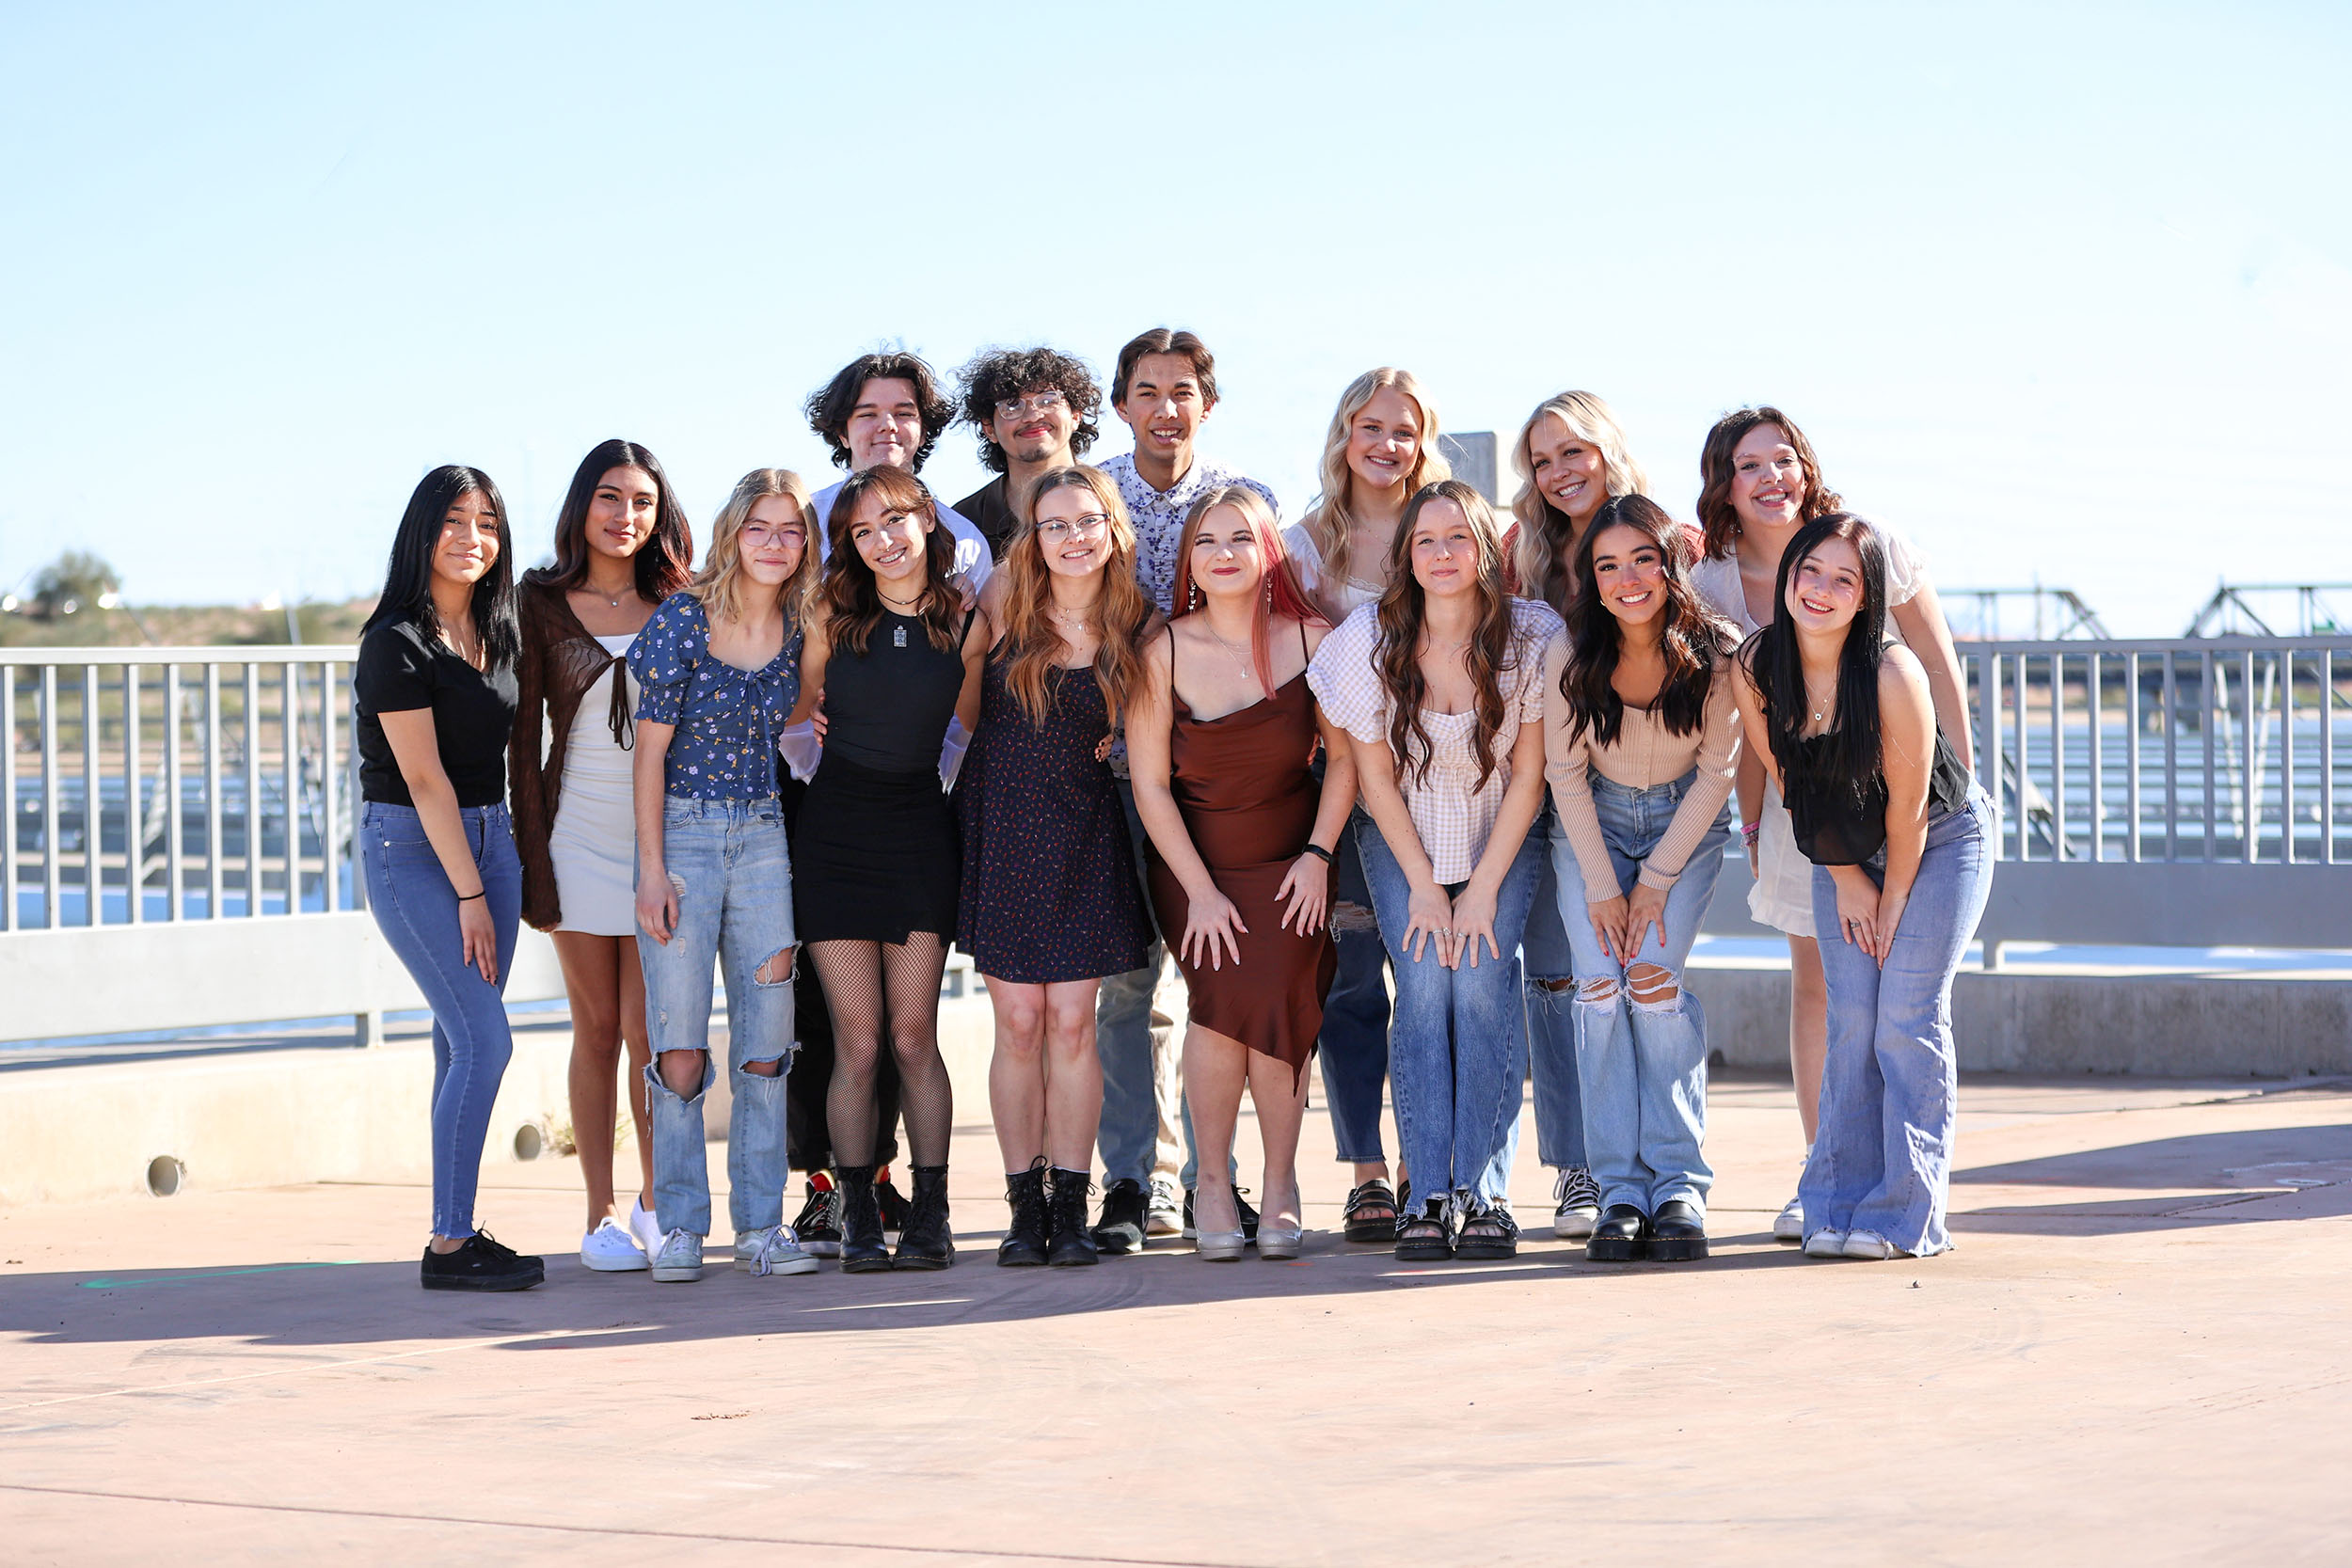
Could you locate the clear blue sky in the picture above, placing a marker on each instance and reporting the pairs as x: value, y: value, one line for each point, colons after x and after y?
x: 2061, y: 291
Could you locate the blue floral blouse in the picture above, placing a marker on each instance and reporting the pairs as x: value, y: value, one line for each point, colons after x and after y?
x: 727, y: 720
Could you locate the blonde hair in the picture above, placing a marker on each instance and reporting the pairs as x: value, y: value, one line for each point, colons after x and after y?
x: 720, y: 583
x: 1329, y: 525
x: 1032, y: 650
x: 1544, y: 531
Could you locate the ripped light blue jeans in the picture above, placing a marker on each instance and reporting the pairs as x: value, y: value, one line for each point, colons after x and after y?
x: 732, y: 872
x: 1642, y: 1061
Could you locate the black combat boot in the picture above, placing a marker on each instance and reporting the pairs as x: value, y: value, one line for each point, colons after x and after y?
x: 862, y: 1249
x: 925, y: 1241
x: 1024, y: 1246
x: 1074, y: 1244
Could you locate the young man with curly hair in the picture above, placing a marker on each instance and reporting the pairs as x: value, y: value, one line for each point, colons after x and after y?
x: 1034, y: 410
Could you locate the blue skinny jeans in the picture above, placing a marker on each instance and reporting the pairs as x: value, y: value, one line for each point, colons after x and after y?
x: 416, y: 909
x: 1353, y: 1046
x: 1549, y: 957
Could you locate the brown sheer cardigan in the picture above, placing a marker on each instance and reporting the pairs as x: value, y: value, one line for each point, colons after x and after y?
x: 559, y: 662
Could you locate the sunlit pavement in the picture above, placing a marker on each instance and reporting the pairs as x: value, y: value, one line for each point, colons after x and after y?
x: 2141, y: 1352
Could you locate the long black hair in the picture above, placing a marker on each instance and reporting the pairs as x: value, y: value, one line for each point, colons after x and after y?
x: 1691, y: 636
x: 1851, y: 760
x: 664, y: 563
x: 408, y: 576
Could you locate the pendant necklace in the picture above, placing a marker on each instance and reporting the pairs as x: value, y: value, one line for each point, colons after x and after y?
x: 1241, y: 659
x: 899, y: 632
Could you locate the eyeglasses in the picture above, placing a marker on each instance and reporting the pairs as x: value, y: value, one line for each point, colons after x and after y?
x: 760, y: 537
x: 1042, y: 402
x: 1059, y: 530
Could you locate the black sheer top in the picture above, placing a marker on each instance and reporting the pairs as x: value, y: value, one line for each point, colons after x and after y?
x: 1836, y: 825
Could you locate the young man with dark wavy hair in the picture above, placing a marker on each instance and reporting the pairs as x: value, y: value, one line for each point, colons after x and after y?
x: 1034, y: 410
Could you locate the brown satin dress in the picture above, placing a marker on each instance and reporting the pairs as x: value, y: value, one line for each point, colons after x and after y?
x: 1249, y: 800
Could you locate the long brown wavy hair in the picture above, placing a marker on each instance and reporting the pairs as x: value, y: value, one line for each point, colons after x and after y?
x: 1493, y: 647
x: 1691, y: 636
x: 852, y: 605
x: 1717, y: 516
x: 1032, y: 651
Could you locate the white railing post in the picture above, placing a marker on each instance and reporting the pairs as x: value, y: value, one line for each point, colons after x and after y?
x: 52, y: 894
x: 8, y: 795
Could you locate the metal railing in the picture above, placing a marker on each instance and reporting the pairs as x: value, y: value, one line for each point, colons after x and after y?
x: 2188, y: 750
x: 164, y: 785
x: 161, y: 784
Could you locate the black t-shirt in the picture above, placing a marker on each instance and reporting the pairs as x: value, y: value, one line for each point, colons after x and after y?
x: 399, y: 671
x: 988, y: 509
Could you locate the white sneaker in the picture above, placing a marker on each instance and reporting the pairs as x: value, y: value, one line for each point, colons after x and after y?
x: 1869, y: 1245
x: 643, y: 1226
x: 1789, y: 1225
x: 1822, y: 1243
x: 1166, y: 1214
x: 609, y: 1249
x: 680, y: 1258
x: 1578, y: 1201
x: 774, y: 1250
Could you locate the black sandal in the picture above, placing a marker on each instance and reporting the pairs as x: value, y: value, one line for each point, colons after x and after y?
x: 1371, y: 1213
x: 1490, y: 1233
x: 1426, y: 1237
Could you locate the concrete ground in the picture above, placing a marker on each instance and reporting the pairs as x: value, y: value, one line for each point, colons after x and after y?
x: 2141, y: 1352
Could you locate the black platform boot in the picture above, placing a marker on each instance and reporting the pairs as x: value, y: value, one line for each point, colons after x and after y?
x: 925, y: 1241
x: 862, y: 1249
x: 1024, y: 1246
x: 1074, y: 1244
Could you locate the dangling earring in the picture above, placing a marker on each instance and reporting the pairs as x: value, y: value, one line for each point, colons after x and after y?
x: 1192, y: 600
x: 1269, y: 593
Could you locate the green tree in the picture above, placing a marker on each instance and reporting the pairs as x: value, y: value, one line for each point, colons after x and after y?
x: 74, y: 581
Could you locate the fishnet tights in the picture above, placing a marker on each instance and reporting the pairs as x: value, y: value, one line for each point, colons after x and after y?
x: 865, y: 983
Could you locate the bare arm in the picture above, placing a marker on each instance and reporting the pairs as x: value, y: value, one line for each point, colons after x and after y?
x: 816, y: 651
x: 657, y: 901
x: 1920, y: 619
x: 1907, y: 753
x: 417, y: 750
x: 978, y: 637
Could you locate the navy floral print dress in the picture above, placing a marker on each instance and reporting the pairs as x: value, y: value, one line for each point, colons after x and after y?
x: 1049, y: 877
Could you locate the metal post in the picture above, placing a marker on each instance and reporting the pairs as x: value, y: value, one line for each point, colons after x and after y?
x: 2057, y: 757
x: 2098, y: 760
x: 252, y: 791
x: 2283, y: 663
x: 2025, y: 772
x: 2172, y: 759
x: 330, y: 867
x: 212, y: 790
x: 134, y: 801
x: 2250, y: 764
x: 2326, y: 754
x: 93, y: 807
x: 2205, y: 702
x: 8, y: 797
x: 1989, y: 734
x: 290, y: 738
x: 175, y: 825
x: 52, y: 897
x: 2131, y: 743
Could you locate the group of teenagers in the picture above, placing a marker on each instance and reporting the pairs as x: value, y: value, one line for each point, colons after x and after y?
x: 1440, y: 795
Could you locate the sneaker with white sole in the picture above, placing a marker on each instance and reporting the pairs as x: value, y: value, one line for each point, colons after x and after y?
x: 1789, y: 1225
x: 609, y: 1249
x: 643, y: 1226
x: 1578, y: 1197
x: 1825, y: 1244
x: 1166, y: 1214
x: 1870, y: 1246
x: 679, y: 1259
x: 774, y: 1250
x: 818, y: 1226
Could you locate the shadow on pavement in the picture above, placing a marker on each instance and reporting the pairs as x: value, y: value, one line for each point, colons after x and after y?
x: 2204, y: 1178
x: 375, y: 1303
